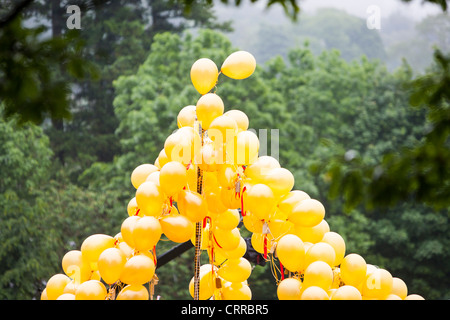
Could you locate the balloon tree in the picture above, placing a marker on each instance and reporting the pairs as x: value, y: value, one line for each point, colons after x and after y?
x: 208, y: 178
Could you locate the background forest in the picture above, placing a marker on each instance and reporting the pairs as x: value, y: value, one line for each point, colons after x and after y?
x: 342, y: 97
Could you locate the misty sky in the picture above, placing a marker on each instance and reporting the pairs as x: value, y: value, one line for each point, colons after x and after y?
x: 416, y: 9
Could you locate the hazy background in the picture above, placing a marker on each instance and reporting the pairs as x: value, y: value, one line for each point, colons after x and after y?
x: 405, y: 31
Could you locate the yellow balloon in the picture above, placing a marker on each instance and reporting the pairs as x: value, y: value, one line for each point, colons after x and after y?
x: 240, y: 118
x: 55, y: 285
x: 75, y: 266
x: 126, y: 249
x: 320, y: 251
x: 236, y: 253
x: 235, y: 270
x: 204, y: 241
x: 162, y: 159
x: 392, y: 296
x: 192, y: 205
x: 353, y: 269
x: 66, y: 296
x: 307, y: 213
x: 245, y: 149
x: 126, y: 229
x: 312, y: 234
x: 226, y: 176
x: 252, y: 223
x: 227, y: 239
x: 222, y: 130
x: 91, y: 290
x: 152, y: 177
x: 172, y: 178
x: 280, y: 227
x: 346, y: 293
x: 239, y: 65
x: 44, y: 294
x: 206, y: 284
x: 177, y: 228
x: 318, y: 274
x: 150, y: 199
x: 314, y: 293
x: 260, y: 201
x: 378, y: 284
x: 236, y: 291
x: 138, y: 270
x: 204, y: 74
x: 110, y: 264
x: 219, y: 258
x: 337, y: 242
x: 257, y: 241
x: 132, y: 206
x: 210, y: 158
x: 229, y: 198
x: 71, y: 287
x: 229, y: 219
x: 290, y: 200
x: 289, y: 289
x: 179, y: 146
x: 146, y: 233
x: 214, y: 202
x: 140, y: 173
x: 280, y: 180
x: 259, y: 169
x: 186, y: 117
x: 192, y: 178
x: 414, y: 297
x: 399, y: 288
x: 209, y: 107
x: 94, y: 245
x: 133, y: 292
x: 291, y: 253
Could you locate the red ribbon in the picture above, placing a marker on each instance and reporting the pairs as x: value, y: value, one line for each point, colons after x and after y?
x: 204, y: 221
x: 265, y: 246
x: 137, y: 212
x: 282, y: 271
x: 154, y: 254
x: 242, y: 201
x: 214, y: 237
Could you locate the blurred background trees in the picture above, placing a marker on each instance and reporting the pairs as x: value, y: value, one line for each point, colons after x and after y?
x: 363, y: 131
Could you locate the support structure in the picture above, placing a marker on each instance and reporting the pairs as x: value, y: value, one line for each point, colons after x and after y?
x: 198, y: 228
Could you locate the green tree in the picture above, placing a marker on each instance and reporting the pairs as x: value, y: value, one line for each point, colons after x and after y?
x: 25, y: 158
x: 43, y: 214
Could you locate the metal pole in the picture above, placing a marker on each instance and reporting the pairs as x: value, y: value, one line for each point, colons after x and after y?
x: 198, y: 229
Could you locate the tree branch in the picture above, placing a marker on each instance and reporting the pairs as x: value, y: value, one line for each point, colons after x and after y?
x: 4, y: 21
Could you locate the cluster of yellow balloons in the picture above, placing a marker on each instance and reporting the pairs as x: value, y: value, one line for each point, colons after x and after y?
x: 207, y: 170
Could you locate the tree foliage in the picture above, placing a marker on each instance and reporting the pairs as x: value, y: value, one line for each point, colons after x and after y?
x: 347, y: 132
